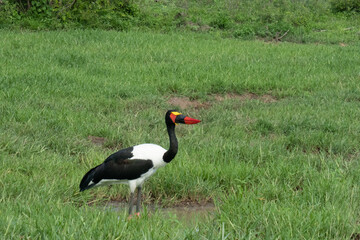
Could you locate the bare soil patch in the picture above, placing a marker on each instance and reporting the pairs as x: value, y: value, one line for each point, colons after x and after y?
x: 186, y: 211
x: 266, y: 98
x: 97, y: 140
x: 185, y: 102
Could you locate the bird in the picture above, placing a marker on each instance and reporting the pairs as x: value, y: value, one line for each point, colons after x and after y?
x: 134, y: 165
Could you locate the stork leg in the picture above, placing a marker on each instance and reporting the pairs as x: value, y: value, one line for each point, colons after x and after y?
x: 131, y: 203
x: 138, y: 200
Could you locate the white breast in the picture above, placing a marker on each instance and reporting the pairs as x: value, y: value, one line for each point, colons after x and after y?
x: 151, y: 152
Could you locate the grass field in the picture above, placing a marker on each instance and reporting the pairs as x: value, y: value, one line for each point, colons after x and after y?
x: 277, y: 150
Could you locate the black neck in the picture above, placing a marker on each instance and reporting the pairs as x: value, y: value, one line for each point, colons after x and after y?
x: 171, y: 153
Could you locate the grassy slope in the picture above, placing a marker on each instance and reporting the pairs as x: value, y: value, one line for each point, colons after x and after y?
x: 287, y: 169
x: 311, y: 21
x: 302, y: 21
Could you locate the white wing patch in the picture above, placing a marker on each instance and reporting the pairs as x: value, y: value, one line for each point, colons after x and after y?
x: 105, y: 182
x: 151, y: 152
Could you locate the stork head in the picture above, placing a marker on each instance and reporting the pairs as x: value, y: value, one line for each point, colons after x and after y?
x: 174, y: 117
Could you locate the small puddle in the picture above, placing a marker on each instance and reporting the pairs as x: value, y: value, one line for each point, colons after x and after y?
x: 189, y: 213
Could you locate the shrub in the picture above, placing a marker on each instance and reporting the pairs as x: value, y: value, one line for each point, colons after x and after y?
x: 345, y: 5
x: 49, y: 13
x: 222, y: 21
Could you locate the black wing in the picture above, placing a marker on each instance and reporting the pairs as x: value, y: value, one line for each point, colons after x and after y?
x: 116, y: 166
x: 121, y: 155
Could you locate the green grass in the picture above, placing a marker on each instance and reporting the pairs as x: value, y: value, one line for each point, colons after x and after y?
x: 310, y: 21
x: 286, y: 169
x: 280, y: 20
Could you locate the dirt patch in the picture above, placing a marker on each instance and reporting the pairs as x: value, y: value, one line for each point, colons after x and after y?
x: 190, y: 212
x: 97, y: 140
x: 185, y: 102
x: 266, y: 98
x: 186, y: 211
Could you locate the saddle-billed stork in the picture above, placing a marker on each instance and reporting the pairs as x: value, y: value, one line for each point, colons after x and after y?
x: 135, y: 164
